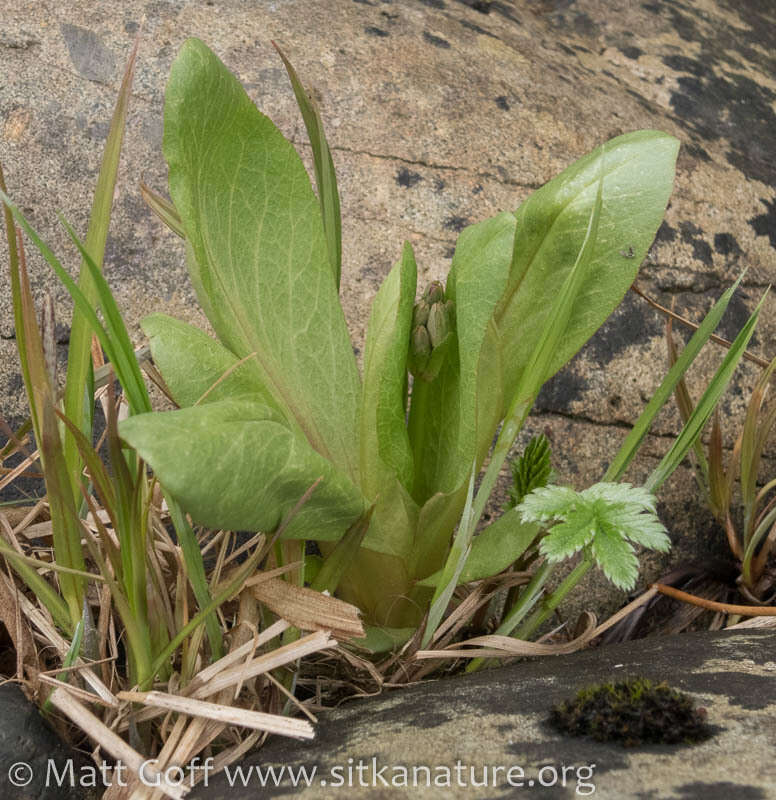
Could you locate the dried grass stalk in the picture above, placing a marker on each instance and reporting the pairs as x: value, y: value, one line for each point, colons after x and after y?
x: 258, y: 720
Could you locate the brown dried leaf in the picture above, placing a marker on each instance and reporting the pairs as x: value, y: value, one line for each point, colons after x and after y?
x: 310, y: 610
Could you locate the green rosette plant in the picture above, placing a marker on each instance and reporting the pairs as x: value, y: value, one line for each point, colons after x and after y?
x: 277, y: 401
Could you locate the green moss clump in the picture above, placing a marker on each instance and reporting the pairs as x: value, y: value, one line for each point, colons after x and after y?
x: 632, y: 712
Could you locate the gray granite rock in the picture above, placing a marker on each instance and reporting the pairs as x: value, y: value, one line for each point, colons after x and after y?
x: 440, y: 114
x: 498, y: 718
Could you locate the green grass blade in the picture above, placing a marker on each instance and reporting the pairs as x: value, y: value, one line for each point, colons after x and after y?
x: 66, y: 531
x: 637, y: 433
x: 40, y: 587
x: 79, y: 351
x: 163, y: 208
x: 16, y: 299
x: 692, y: 429
x: 325, y: 177
x: 231, y: 589
x: 126, y: 365
x: 195, y: 570
x: 119, y: 347
x: 456, y: 561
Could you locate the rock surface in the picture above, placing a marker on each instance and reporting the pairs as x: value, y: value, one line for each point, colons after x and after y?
x: 440, y: 113
x: 498, y: 718
x: 34, y: 764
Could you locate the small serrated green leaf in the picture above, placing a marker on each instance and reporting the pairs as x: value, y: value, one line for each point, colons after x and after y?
x: 548, y: 502
x: 566, y: 538
x: 532, y: 470
x: 615, y: 557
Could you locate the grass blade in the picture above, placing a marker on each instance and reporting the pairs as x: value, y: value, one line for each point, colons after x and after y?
x: 325, y: 177
x: 163, y: 208
x: 79, y: 352
x: 692, y: 429
x: 456, y: 561
x: 637, y: 433
x: 195, y: 570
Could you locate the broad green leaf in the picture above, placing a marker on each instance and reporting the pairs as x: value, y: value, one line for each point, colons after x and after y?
x: 495, y: 548
x: 383, y: 441
x: 382, y: 640
x: 257, y: 251
x: 235, y: 465
x: 551, y: 225
x: 394, y: 519
x: 436, y: 522
x: 452, y: 421
x: 197, y: 368
x: 325, y: 177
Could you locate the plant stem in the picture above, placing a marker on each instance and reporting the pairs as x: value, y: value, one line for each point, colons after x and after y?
x: 552, y: 601
x: 526, y: 600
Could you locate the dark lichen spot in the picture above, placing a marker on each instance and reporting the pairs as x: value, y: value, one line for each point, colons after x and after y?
x: 686, y: 64
x: 558, y: 393
x: 665, y: 233
x: 632, y: 712
x: 371, y: 30
x: 501, y: 102
x: 736, y: 315
x: 476, y: 189
x: 437, y: 41
x: 765, y: 224
x: 439, y: 185
x: 449, y: 251
x: 433, y: 3
x: 725, y: 244
x: 483, y: 6
x: 701, y: 249
x: 629, y: 324
x: 477, y: 28
x: 696, y: 151
x: 405, y: 177
x: 632, y: 52
x: 455, y: 223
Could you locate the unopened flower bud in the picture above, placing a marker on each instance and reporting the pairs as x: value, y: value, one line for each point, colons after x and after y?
x: 421, y: 343
x: 420, y: 313
x: 438, y: 325
x: 435, y: 293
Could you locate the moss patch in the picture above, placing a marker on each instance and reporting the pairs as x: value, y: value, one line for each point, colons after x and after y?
x: 632, y: 712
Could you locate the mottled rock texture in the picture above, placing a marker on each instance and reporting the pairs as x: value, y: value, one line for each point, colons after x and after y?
x: 440, y: 113
x: 499, y: 718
